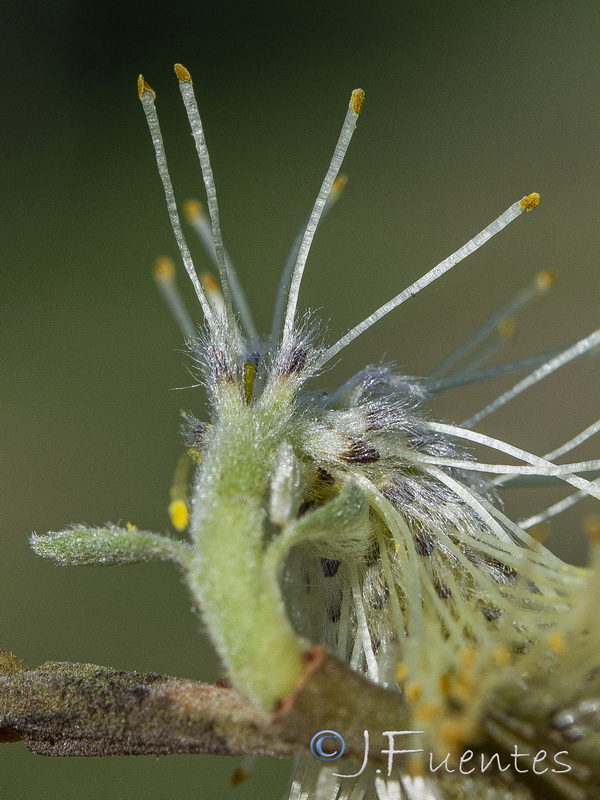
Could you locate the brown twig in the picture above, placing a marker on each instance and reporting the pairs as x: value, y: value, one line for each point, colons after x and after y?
x: 66, y: 709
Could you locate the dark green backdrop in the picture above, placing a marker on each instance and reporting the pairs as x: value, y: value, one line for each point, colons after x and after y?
x: 469, y: 106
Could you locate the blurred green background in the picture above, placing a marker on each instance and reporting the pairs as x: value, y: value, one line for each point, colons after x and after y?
x: 469, y: 106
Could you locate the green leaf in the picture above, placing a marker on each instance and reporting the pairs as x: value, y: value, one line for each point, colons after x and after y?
x: 108, y: 546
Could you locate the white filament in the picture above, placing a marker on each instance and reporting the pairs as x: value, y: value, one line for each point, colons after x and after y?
x: 313, y: 221
x: 147, y: 99
x: 470, y: 247
x: 191, y: 107
x: 286, y: 275
x: 510, y: 469
x: 564, y: 448
x: 517, y: 452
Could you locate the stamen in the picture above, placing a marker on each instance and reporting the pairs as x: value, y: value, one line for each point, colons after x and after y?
x: 356, y: 101
x: 178, y: 507
x: 164, y: 275
x: 564, y: 357
x: 517, y: 452
x: 191, y: 107
x: 570, y: 500
x: 286, y: 276
x: 542, y: 282
x: 202, y: 227
x: 526, y: 204
x: 581, y: 437
x: 147, y: 96
x: 510, y: 469
x: 179, y: 514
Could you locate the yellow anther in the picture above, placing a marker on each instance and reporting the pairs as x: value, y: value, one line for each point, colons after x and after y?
x: 130, y: 527
x: 501, y: 656
x: 413, y: 692
x: 401, y: 673
x: 445, y: 683
x: 164, y: 270
x: 183, y: 75
x: 210, y: 284
x: 178, y: 507
x: 357, y: 98
x: 507, y: 328
x: 546, y: 279
x: 144, y: 87
x: 557, y: 644
x: 213, y: 292
x: 179, y: 514
x: 530, y: 202
x: 192, y: 209
x: 591, y: 525
x: 249, y: 373
x: 338, y: 186
x: 195, y: 454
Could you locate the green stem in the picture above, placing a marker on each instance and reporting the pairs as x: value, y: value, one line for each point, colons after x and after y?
x: 239, y: 596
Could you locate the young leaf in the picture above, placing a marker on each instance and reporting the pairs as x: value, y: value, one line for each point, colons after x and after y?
x: 107, y: 546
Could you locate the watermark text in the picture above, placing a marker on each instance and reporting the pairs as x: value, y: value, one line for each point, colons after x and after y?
x: 329, y: 746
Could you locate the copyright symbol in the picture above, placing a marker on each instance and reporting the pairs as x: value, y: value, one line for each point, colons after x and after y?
x: 320, y: 739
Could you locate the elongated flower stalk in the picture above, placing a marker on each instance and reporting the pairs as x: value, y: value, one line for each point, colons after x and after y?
x: 354, y: 520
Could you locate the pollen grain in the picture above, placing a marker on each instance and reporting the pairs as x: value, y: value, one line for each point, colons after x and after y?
x: 144, y: 87
x: 530, y: 202
x: 356, y: 100
x: 183, y: 75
